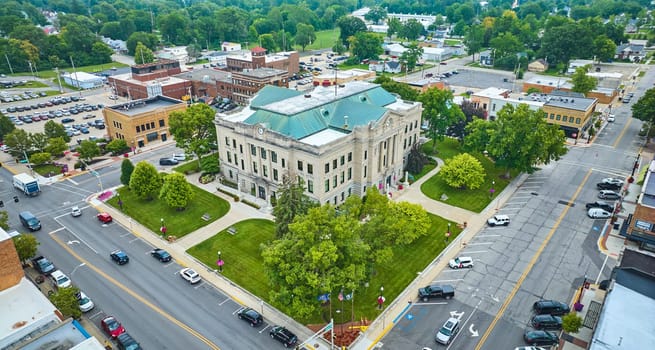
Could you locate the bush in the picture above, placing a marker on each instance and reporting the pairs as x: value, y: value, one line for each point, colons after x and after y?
x: 251, y: 204
x: 230, y: 184
x: 234, y: 196
x: 571, y: 323
x: 207, y: 178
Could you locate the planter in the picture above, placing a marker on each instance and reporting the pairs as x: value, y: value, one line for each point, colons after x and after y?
x: 578, y: 307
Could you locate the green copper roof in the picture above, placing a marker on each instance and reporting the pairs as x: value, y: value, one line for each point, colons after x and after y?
x: 270, y: 93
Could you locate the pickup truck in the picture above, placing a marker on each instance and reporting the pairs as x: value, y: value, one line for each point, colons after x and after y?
x: 436, y: 291
x: 43, y: 265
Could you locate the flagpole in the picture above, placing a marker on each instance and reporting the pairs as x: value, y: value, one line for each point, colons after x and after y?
x: 332, y: 332
x: 352, y: 299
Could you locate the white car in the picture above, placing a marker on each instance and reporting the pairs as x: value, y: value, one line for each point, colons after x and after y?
x: 180, y: 157
x: 613, y: 181
x: 498, y: 220
x: 60, y: 280
x: 190, y: 275
x: 86, y: 304
x: 529, y: 348
x: 598, y: 213
x: 75, y: 211
x: 611, y: 118
x: 461, y: 262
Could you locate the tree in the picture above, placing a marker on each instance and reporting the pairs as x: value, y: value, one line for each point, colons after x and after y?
x: 4, y: 220
x: 463, y: 171
x: 440, y: 112
x: 604, y: 48
x: 267, y: 41
x: 142, y: 54
x: 644, y: 108
x: 25, y: 246
x: 147, y: 39
x: 474, y: 40
x: 305, y: 35
x: 291, y: 202
x: 210, y: 165
x: 18, y: 142
x: 376, y: 14
x: 39, y: 141
x: 470, y: 113
x: 88, y: 150
x: 117, y: 146
x: 571, y: 322
x: 194, y: 128
x: 519, y: 139
x: 411, y: 56
x: 40, y: 158
x: 350, y: 26
x: 583, y: 83
x: 366, y: 45
x: 126, y: 171
x: 145, y: 182
x: 176, y: 191
x: 395, y: 26
x: 52, y: 129
x: 411, y: 30
x: 416, y: 160
x: 65, y: 300
x: 405, y: 91
x: 56, y: 146
x: 6, y: 126
x: 339, y: 48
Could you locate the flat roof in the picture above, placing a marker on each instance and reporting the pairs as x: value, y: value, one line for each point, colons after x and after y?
x: 82, y: 76
x: 343, y: 74
x: 247, y: 56
x: 205, y: 75
x: 550, y: 81
x: 145, y: 105
x: 263, y: 72
x: 22, y: 304
x: 577, y: 103
x: 491, y: 92
x: 67, y: 335
x: 170, y: 80
x: 323, y: 137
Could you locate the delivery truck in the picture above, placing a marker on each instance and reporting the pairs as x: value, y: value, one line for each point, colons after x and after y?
x: 27, y: 184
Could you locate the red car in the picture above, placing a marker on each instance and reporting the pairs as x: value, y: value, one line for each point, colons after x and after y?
x: 105, y: 218
x: 112, y: 327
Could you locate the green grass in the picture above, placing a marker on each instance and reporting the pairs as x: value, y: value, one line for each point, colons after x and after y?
x: 49, y: 74
x: 345, y: 66
x: 241, y: 252
x: 452, y: 42
x: 189, y: 167
x: 47, y: 168
x: 426, y: 169
x: 178, y: 223
x: 473, y: 200
x: 325, y: 39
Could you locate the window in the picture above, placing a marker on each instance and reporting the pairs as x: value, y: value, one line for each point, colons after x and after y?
x: 334, y: 181
x: 161, y: 123
x: 327, y: 185
x: 243, y: 165
x: 343, y: 160
x: 310, y: 169
x: 152, y: 125
x: 262, y: 152
x: 343, y: 177
x: 350, y: 156
x: 241, y: 149
x: 350, y: 173
x: 558, y: 117
x: 552, y: 116
x: 546, y: 115
x: 227, y: 141
x: 229, y: 157
x: 283, y: 163
x: 334, y: 164
x: 565, y: 118
x: 275, y: 174
x: 234, y: 144
x: 253, y: 150
x: 416, y: 124
x: 406, y: 129
x: 138, y: 129
x: 147, y: 126
x: 493, y: 107
x: 273, y: 157
x: 404, y: 143
x: 254, y: 167
x: 310, y: 186
x: 236, y: 162
x: 264, y: 171
x: 410, y: 126
x: 300, y: 165
x: 343, y: 194
x: 365, y: 155
x: 364, y: 171
x: 577, y: 120
x: 327, y: 168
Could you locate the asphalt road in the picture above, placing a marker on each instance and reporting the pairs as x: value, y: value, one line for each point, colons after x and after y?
x: 545, y: 253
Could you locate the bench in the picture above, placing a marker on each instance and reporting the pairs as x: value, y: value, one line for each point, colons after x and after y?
x: 232, y: 230
x: 206, y: 217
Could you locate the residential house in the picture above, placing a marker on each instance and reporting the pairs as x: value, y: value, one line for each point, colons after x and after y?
x: 487, y: 58
x: 385, y: 66
x: 539, y: 65
x: 631, y: 52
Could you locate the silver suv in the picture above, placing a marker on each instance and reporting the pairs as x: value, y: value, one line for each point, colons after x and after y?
x: 448, y: 332
x: 498, y: 220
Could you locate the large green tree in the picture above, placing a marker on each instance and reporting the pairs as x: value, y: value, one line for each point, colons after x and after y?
x: 142, y: 54
x: 117, y: 146
x: 6, y: 126
x: 53, y: 129
x: 145, y: 182
x: 411, y: 56
x: 411, y: 30
x: 644, y: 108
x: 56, y: 146
x: 582, y: 82
x: 291, y: 202
x: 366, y: 45
x: 474, y: 40
x: 405, y: 91
x: 440, y: 112
x: 19, y: 142
x: 376, y: 14
x: 518, y: 139
x: 26, y: 245
x: 350, y: 26
x: 176, y: 191
x: 126, y: 171
x: 39, y: 141
x: 65, y: 300
x: 88, y: 150
x: 305, y: 35
x: 193, y: 129
x: 463, y: 171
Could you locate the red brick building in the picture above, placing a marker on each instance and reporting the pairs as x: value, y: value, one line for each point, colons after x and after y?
x: 151, y: 79
x: 257, y: 58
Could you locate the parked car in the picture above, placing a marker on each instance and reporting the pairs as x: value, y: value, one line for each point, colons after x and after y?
x: 598, y: 213
x: 75, y: 211
x: 161, y: 255
x: 60, y: 280
x: 611, y: 118
x: 112, y: 327
x: 461, y: 262
x: 542, y: 322
x: 436, y: 291
x: 612, y: 180
x: 529, y: 348
x: 180, y: 157
x: 607, y: 194
x: 126, y: 342
x: 66, y: 120
x: 43, y: 265
x: 540, y: 338
x: 498, y: 220
x: 85, y: 303
x: 190, y: 275
x: 448, y: 331
x: 607, y: 186
x: 168, y: 161
x: 602, y: 205
x: 251, y: 316
x: 284, y: 336
x: 119, y: 257
x: 550, y: 307
x: 105, y: 218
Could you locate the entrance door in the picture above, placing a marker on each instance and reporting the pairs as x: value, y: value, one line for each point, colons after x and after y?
x: 262, y: 192
x: 141, y: 144
x: 163, y: 137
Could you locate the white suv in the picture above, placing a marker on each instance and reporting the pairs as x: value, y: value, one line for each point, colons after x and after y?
x: 497, y: 220
x: 60, y: 280
x: 449, y: 330
x: 461, y: 262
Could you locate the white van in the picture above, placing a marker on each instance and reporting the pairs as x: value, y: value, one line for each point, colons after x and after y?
x: 497, y: 220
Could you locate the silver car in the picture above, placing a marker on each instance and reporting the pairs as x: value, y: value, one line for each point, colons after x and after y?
x: 447, y: 333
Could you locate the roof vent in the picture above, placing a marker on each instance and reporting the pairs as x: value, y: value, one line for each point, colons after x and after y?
x: 345, y: 122
x: 363, y: 98
x: 325, y: 112
x: 342, y: 85
x: 308, y: 95
x: 572, y: 100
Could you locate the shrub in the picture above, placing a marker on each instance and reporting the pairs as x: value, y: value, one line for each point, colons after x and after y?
x: 571, y: 323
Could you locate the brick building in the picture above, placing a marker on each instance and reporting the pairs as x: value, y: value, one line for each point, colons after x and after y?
x: 639, y: 227
x: 257, y: 58
x: 151, y: 79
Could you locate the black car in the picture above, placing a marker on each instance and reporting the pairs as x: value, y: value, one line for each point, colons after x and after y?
x: 119, y: 257
x: 251, y: 316
x: 161, y: 255
x: 546, y: 322
x: 550, y: 307
x: 126, y: 342
x: 284, y: 336
x: 168, y: 161
x: 68, y: 120
x: 540, y: 338
x: 607, y: 186
x: 436, y: 291
x: 602, y: 205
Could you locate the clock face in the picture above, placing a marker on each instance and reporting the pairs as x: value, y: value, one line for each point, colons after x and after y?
x: 260, y: 130
x: 387, y: 123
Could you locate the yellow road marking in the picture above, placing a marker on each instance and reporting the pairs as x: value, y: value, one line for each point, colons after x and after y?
x: 625, y: 128
x: 531, y: 264
x: 137, y: 297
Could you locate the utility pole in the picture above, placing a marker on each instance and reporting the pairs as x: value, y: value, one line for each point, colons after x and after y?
x: 9, y: 63
x: 61, y: 90
x: 75, y: 71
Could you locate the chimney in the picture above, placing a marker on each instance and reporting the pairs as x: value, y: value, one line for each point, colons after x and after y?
x: 11, y: 270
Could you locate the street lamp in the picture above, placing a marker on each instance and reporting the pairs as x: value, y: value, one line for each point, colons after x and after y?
x: 492, y: 190
x: 163, y: 227
x: 220, y: 262
x: 381, y: 298
x: 77, y: 267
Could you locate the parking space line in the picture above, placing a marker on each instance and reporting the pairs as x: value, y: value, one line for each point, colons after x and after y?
x: 169, y: 264
x: 263, y: 329
x: 485, y: 243
x: 134, y: 240
x: 125, y: 234
x: 224, y: 301
x: 427, y: 303
x: 97, y: 314
x: 478, y: 236
x: 198, y: 285
x: 237, y: 310
x: 476, y: 252
x: 455, y: 280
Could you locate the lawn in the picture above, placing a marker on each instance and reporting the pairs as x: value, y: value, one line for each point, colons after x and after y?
x: 241, y: 252
x: 49, y: 74
x: 178, y: 223
x: 44, y: 169
x: 473, y: 200
x: 189, y: 167
x: 325, y: 39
